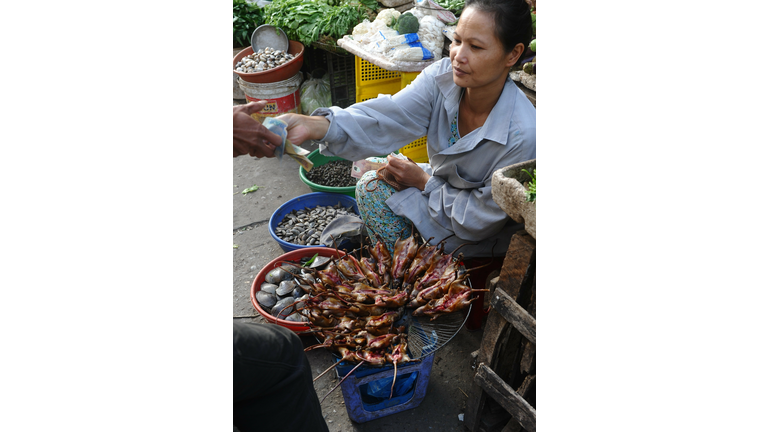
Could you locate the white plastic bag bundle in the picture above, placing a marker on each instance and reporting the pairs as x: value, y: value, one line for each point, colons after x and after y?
x: 431, y: 35
x: 428, y: 7
x: 376, y: 43
x: 315, y: 93
x: 413, y: 51
x: 367, y: 32
x: 361, y: 30
x: 391, y: 41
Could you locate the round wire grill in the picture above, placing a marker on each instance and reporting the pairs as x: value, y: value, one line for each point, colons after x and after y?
x: 426, y: 336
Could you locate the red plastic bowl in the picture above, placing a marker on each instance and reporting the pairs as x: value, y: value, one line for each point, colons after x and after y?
x: 277, y: 262
x: 281, y: 73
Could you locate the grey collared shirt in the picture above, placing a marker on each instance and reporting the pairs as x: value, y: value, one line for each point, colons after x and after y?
x: 457, y: 198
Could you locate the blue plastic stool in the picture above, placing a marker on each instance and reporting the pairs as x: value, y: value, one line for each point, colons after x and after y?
x: 362, y: 408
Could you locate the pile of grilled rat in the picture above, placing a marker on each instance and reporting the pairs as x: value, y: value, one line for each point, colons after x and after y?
x: 353, y: 305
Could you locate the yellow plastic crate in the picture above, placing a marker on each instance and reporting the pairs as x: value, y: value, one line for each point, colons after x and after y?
x: 371, y: 79
x: 417, y: 150
x: 407, y: 77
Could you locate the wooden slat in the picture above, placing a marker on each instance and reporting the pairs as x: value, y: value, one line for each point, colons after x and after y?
x: 516, y: 262
x: 512, y: 426
x: 501, y: 345
x: 528, y: 383
x: 506, y: 397
x: 515, y: 314
x: 528, y: 360
x: 495, y: 336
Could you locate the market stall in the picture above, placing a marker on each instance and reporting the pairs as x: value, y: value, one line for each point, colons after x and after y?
x: 340, y: 52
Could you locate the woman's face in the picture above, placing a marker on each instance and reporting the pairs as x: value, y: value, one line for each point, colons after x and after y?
x: 477, y: 55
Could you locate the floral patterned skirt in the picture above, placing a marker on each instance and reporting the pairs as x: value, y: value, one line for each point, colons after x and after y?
x: 378, y: 217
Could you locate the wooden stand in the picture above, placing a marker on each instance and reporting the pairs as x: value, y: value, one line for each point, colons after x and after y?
x: 506, y: 366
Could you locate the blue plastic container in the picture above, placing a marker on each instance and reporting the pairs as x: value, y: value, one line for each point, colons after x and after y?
x: 310, y: 200
x: 361, y: 399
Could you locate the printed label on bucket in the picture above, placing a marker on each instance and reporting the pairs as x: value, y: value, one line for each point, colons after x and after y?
x: 277, y: 106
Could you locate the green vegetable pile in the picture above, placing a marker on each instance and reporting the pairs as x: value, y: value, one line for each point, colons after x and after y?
x: 307, y: 20
x: 531, y: 192
x: 454, y: 6
x: 245, y: 18
x: 407, y: 23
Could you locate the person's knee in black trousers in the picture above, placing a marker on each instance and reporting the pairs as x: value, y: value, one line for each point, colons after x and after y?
x: 273, y: 388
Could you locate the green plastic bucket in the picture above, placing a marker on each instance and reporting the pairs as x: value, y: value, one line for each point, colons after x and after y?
x: 319, y: 159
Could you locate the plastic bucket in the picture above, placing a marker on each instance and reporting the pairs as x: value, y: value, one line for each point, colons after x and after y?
x: 281, y: 96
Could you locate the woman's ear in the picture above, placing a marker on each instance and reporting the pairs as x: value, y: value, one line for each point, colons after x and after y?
x: 514, y: 55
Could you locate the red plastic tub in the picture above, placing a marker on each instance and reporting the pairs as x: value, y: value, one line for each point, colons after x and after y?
x: 295, y: 255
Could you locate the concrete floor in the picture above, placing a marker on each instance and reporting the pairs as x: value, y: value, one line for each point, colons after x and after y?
x: 278, y: 182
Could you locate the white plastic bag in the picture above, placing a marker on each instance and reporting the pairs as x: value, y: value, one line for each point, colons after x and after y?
x: 428, y: 7
x: 315, y: 93
x: 411, y: 52
x: 387, y: 42
x: 431, y: 34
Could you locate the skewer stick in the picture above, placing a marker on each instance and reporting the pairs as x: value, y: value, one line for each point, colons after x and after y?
x: 326, y: 371
x: 392, y: 390
x: 342, y: 380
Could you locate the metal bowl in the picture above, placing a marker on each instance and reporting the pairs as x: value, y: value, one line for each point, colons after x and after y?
x: 266, y: 35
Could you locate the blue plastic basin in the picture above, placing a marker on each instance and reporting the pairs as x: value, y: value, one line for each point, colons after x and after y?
x: 310, y: 200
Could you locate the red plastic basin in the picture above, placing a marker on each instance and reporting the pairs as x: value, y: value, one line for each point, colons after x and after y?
x: 281, y: 73
x: 295, y: 255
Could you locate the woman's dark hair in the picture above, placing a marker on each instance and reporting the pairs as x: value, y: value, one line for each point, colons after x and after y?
x: 512, y: 18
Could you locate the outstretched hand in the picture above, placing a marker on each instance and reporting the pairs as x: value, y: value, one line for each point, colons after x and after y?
x: 249, y: 136
x: 302, y: 128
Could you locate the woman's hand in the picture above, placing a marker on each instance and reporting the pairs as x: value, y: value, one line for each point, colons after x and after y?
x: 302, y: 128
x: 249, y: 136
x: 407, y: 173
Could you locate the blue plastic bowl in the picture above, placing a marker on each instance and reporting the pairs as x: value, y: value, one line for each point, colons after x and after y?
x: 310, y: 200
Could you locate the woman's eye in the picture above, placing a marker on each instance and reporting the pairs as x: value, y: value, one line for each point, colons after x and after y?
x: 475, y: 47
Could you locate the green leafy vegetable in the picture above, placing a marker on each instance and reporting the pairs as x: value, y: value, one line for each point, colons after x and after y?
x: 253, y: 188
x: 245, y: 18
x: 531, y: 192
x: 454, y: 6
x: 307, y: 20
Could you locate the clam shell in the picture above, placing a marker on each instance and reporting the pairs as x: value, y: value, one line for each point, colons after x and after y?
x: 265, y: 299
x: 295, y: 317
x: 268, y: 287
x: 277, y: 275
x: 300, y: 301
x: 297, y: 292
x: 284, y: 305
x: 285, y: 288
